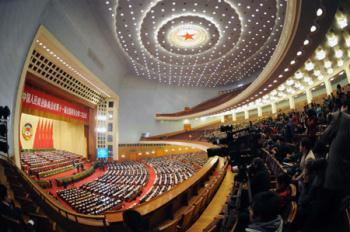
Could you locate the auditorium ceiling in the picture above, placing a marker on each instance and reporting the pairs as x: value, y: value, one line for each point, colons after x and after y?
x: 200, y: 43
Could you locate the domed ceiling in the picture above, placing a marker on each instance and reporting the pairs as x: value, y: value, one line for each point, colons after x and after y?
x: 202, y: 43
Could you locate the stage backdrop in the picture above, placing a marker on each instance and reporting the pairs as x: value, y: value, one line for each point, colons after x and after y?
x: 39, y: 132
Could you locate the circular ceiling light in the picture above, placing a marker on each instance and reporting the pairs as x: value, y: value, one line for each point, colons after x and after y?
x: 313, y: 28
x: 188, y: 36
x: 320, y: 54
x: 319, y: 12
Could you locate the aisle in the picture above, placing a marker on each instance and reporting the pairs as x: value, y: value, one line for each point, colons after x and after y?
x: 216, y: 204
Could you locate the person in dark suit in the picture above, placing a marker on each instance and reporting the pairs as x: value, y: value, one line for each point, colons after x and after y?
x: 337, y: 135
x: 337, y: 176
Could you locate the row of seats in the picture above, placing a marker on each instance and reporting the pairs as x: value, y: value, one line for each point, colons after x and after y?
x: 87, y: 202
x: 24, y: 214
x: 123, y: 181
x: 39, y: 162
x: 172, y: 170
x: 183, y: 218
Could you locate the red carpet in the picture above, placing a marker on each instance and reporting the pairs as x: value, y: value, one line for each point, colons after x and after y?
x: 148, y: 186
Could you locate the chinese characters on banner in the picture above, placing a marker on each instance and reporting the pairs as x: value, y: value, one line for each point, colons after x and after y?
x: 35, y: 99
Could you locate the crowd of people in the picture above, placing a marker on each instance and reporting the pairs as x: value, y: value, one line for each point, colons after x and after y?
x: 124, y: 182
x: 46, y: 163
x: 172, y: 170
x: 304, y: 159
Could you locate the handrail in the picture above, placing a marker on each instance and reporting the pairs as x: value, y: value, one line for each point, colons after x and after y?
x: 274, y: 159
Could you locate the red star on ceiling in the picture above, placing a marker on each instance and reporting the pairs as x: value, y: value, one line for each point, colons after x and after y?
x: 188, y: 36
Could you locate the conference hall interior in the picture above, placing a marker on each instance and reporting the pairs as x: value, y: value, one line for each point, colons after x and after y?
x: 175, y: 115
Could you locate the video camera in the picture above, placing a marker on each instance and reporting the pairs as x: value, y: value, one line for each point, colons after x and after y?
x: 240, y: 145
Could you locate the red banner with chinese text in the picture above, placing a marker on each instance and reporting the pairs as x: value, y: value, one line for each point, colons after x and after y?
x: 35, y: 99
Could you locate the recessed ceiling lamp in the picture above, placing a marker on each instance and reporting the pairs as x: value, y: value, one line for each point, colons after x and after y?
x: 298, y: 75
x: 281, y: 88
x: 342, y: 21
x: 309, y: 66
x: 317, y: 72
x: 330, y: 71
x: 338, y: 53
x: 290, y: 90
x: 274, y: 92
x: 307, y: 79
x: 320, y: 77
x: 320, y: 54
x: 340, y: 63
x: 332, y: 39
x: 290, y: 82
x: 319, y: 12
x: 347, y: 39
x: 299, y: 53
x: 327, y: 64
x: 313, y: 28
x: 306, y: 42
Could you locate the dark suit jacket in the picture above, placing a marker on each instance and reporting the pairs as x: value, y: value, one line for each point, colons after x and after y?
x: 337, y: 135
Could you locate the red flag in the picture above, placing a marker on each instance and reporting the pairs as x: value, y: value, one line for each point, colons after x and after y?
x: 37, y: 138
x: 51, y: 135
